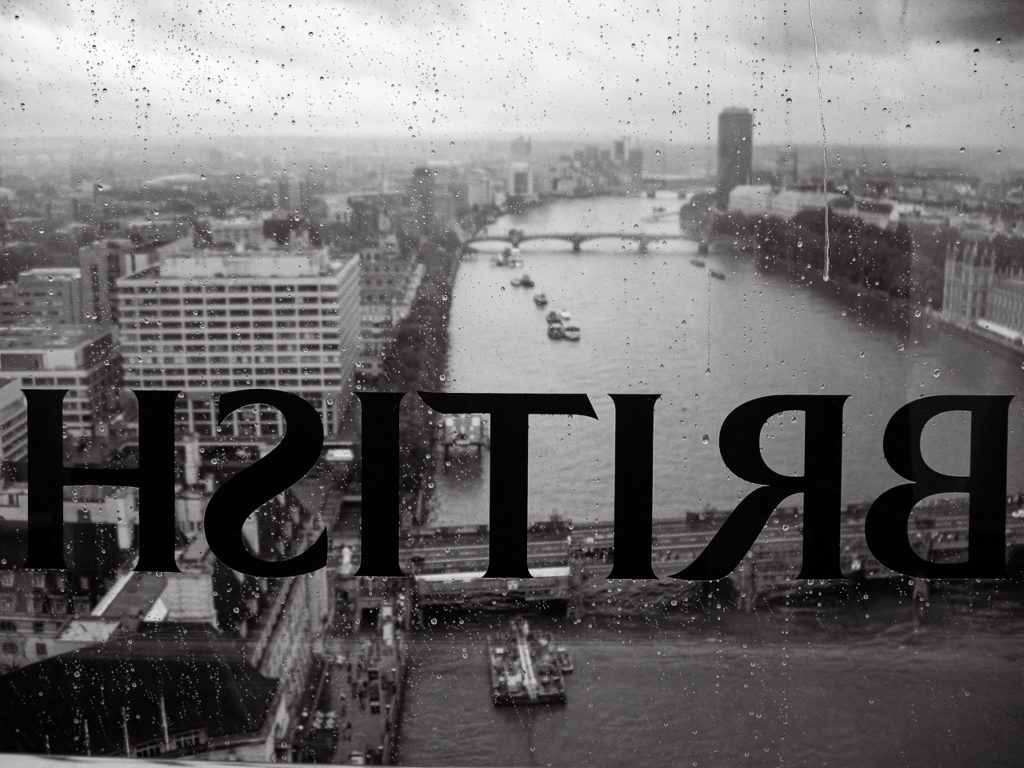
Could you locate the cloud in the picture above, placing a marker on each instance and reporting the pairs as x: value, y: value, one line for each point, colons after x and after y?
x: 583, y: 69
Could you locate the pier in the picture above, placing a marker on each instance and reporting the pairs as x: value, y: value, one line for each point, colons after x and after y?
x: 462, y: 432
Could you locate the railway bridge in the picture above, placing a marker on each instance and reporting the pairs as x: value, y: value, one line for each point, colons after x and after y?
x: 448, y: 562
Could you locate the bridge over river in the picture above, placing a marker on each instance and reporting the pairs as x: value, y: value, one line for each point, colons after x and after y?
x: 564, y: 556
x: 700, y: 233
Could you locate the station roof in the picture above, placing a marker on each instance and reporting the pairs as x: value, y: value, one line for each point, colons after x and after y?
x: 202, y: 678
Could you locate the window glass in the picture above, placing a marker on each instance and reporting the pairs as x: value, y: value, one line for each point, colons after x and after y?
x: 512, y: 384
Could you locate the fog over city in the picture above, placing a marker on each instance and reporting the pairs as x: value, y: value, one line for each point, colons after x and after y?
x: 924, y: 73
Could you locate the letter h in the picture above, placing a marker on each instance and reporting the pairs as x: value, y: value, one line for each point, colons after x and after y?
x: 154, y: 477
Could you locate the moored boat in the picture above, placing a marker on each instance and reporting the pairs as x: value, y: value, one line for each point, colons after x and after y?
x: 564, y: 659
x: 526, y: 281
x: 571, y: 332
x: 553, y: 317
x: 540, y: 300
x: 524, y: 668
x: 555, y: 331
x: 507, y: 259
x: 717, y: 275
x: 698, y: 263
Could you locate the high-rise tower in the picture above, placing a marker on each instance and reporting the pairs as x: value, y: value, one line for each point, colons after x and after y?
x: 735, y: 145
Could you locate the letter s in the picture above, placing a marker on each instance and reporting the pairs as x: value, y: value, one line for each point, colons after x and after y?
x: 288, y: 463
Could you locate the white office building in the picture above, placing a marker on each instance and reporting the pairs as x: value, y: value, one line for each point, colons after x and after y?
x: 285, y: 319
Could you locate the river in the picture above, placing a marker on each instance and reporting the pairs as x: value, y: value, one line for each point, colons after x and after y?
x: 659, y: 324
x: 846, y: 684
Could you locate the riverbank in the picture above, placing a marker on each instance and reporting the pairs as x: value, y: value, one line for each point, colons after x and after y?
x: 418, y: 361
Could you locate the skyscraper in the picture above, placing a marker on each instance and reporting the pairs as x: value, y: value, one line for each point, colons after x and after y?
x: 735, y: 145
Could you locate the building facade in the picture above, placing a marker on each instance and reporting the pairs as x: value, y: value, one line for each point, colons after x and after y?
x: 735, y: 151
x: 37, y: 606
x: 984, y: 285
x: 101, y: 264
x: 80, y: 359
x: 1006, y: 303
x: 239, y: 232
x: 43, y: 296
x: 388, y: 284
x: 13, y: 421
x: 278, y: 318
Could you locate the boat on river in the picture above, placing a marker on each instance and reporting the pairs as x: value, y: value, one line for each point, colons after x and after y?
x: 555, y: 331
x: 525, y: 667
x: 717, y: 275
x: 540, y: 300
x: 507, y: 259
x: 553, y: 318
x: 571, y: 333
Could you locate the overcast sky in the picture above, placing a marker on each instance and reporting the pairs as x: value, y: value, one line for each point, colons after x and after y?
x: 891, y: 71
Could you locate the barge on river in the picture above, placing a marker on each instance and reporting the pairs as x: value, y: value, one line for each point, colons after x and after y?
x: 526, y: 668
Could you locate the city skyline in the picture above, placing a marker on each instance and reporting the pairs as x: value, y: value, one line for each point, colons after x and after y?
x: 334, y: 335
x: 909, y: 74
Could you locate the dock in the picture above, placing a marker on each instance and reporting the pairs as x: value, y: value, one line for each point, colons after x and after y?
x: 463, y: 432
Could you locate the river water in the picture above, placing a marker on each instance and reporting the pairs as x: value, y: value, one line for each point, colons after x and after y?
x: 659, y: 324
x: 841, y: 685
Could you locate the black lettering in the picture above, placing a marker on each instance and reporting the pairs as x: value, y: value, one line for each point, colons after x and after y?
x: 381, y: 516
x: 885, y: 527
x: 820, y: 485
x: 634, y: 486
x: 154, y: 477
x: 284, y: 466
x: 510, y: 427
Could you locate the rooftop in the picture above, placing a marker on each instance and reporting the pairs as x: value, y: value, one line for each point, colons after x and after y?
x: 237, y: 222
x: 196, y: 676
x: 52, y: 273
x: 263, y: 263
x: 88, y: 629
